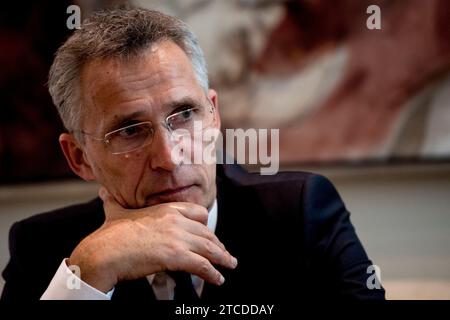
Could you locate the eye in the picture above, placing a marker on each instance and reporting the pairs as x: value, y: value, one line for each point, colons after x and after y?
x: 182, y: 116
x: 130, y: 132
x: 186, y: 114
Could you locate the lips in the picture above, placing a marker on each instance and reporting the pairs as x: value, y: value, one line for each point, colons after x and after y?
x: 171, y: 194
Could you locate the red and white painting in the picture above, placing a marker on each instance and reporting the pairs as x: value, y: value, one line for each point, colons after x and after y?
x: 337, y: 90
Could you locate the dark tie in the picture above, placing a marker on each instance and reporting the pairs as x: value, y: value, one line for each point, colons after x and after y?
x: 184, y: 289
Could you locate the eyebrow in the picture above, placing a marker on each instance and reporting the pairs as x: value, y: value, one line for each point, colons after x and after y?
x: 185, y: 101
x: 125, y: 119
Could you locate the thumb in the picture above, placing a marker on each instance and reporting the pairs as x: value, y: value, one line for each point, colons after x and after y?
x: 112, y: 208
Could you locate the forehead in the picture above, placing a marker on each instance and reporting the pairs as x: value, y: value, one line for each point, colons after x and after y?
x: 147, y: 83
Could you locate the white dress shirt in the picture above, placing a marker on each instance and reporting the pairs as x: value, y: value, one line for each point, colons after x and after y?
x: 65, y: 284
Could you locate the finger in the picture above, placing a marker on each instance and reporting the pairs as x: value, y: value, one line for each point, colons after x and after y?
x: 201, y: 267
x: 211, y: 251
x: 191, y: 211
x: 201, y: 230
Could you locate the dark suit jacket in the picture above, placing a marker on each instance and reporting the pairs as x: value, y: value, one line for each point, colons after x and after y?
x: 290, y: 232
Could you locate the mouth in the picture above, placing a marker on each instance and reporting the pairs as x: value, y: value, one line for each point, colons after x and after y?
x: 175, y: 194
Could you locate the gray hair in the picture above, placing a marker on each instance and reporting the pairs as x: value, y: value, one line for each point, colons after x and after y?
x: 121, y: 33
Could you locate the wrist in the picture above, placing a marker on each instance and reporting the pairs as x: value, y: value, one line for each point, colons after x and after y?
x: 93, y: 271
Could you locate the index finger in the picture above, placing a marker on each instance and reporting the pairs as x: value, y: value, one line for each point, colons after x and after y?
x: 191, y: 211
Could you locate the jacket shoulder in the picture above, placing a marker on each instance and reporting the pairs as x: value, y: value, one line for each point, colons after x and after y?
x: 86, y: 213
x: 38, y: 244
x: 241, y: 177
x: 286, y: 194
x: 60, y: 228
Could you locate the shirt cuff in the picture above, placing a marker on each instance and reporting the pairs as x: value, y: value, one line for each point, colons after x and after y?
x: 66, y: 285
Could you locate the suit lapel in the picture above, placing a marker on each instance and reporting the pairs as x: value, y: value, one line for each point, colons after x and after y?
x: 229, y: 219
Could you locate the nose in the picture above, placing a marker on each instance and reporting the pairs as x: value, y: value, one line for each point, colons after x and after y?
x: 161, y: 151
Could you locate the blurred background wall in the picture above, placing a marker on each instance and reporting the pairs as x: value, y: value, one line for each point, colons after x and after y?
x: 367, y: 108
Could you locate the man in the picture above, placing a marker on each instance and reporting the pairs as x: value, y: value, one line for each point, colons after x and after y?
x: 164, y: 229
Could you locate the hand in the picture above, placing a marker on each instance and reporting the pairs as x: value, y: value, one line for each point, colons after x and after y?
x: 135, y: 243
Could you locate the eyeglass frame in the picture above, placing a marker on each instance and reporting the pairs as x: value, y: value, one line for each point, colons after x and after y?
x: 165, y: 123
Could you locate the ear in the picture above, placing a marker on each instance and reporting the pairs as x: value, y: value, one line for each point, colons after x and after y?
x: 212, y: 94
x: 75, y: 157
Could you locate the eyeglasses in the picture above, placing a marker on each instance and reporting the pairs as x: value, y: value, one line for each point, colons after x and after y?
x: 141, y: 134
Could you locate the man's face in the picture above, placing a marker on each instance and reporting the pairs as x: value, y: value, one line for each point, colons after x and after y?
x: 117, y: 93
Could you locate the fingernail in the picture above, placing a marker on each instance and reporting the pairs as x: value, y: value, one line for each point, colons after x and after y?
x: 234, y: 262
x: 221, y: 280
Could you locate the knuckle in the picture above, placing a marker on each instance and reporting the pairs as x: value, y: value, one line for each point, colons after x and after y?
x: 172, y: 218
x: 204, y: 268
x: 206, y: 233
x: 171, y: 232
x: 177, y: 249
x: 209, y: 248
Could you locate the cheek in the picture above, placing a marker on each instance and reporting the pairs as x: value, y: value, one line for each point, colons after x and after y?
x: 204, y: 157
x: 128, y: 168
x: 209, y: 179
x: 121, y: 172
